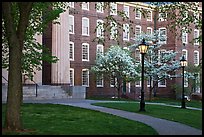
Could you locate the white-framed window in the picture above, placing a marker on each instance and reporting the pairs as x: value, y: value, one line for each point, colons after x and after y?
x: 126, y: 10
x: 113, y: 31
x: 161, y: 52
x: 99, y: 48
x: 71, y: 73
x: 85, y: 5
x: 112, y: 81
x: 184, y: 36
x: 99, y: 81
x: 196, y: 35
x: 85, y: 77
x: 196, y: 58
x: 71, y: 4
x: 162, y: 16
x: 126, y: 32
x: 85, y: 52
x: 138, y: 30
x: 138, y: 56
x: 71, y: 24
x: 185, y: 53
x: 148, y: 82
x: 138, y: 83
x: 149, y: 15
x: 163, y: 32
x: 137, y: 14
x: 185, y: 80
x: 196, y: 15
x: 113, y: 8
x: 162, y: 83
x: 100, y: 29
x: 149, y: 31
x: 100, y: 7
x: 85, y: 26
x: 71, y: 51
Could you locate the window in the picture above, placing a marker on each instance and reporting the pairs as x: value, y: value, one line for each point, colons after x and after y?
x: 185, y: 80
x: 185, y: 54
x: 184, y: 15
x: 138, y: 30
x: 85, y: 52
x: 126, y: 31
x: 126, y: 10
x: 138, y: 56
x: 163, y: 33
x: 162, y: 16
x: 113, y: 32
x: 161, y: 56
x: 184, y: 36
x: 138, y: 84
x: 85, y: 77
x: 71, y: 24
x: 71, y: 50
x: 85, y: 26
x: 100, y: 29
x: 149, y: 31
x: 112, y: 81
x: 99, y: 7
x: 149, y: 15
x: 85, y: 5
x: 148, y: 82
x: 99, y: 81
x: 196, y: 58
x: 113, y: 8
x: 99, y: 49
x: 196, y: 21
x: 162, y: 83
x: 71, y: 4
x: 71, y: 73
x: 196, y: 35
x: 137, y: 14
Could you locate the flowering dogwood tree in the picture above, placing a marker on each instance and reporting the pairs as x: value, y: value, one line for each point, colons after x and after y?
x: 118, y: 64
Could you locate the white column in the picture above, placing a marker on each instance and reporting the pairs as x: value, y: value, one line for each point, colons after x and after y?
x: 60, y: 49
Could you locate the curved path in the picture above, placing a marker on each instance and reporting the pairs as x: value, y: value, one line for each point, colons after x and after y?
x: 163, y: 127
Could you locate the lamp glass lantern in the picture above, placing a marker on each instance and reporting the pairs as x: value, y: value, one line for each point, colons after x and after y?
x: 143, y: 47
x: 183, y: 61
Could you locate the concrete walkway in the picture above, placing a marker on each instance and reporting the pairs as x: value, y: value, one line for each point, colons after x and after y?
x: 163, y: 127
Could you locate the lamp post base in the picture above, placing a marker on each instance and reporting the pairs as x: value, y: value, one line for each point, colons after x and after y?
x: 142, y: 106
x: 183, y: 105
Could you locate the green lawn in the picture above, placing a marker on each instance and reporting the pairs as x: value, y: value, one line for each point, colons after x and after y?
x: 186, y: 116
x: 53, y: 119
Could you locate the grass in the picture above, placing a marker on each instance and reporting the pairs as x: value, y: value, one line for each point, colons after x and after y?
x: 55, y: 119
x: 186, y: 116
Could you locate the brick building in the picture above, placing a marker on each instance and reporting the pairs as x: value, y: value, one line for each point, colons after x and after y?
x: 79, y: 55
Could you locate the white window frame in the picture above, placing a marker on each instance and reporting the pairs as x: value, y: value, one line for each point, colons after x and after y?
x: 113, y: 31
x: 184, y: 36
x: 71, y: 4
x: 163, y: 28
x: 83, y: 26
x: 83, y: 84
x: 140, y: 30
x: 101, y: 81
x: 140, y: 83
x: 71, y: 43
x: 71, y: 18
x: 159, y: 53
x: 85, y: 5
x: 196, y: 61
x: 113, y: 8
x: 111, y: 85
x: 186, y: 53
x: 100, y: 7
x: 196, y: 43
x: 126, y: 10
x: 71, y: 74
x: 99, y: 48
x: 161, y: 18
x: 185, y: 80
x: 150, y: 15
x: 100, y: 28
x: 138, y: 12
x: 159, y: 83
x: 140, y: 56
x: 85, y: 44
x: 126, y: 32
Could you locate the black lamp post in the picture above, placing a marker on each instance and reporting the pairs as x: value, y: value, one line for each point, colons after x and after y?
x: 183, y: 64
x: 143, y: 50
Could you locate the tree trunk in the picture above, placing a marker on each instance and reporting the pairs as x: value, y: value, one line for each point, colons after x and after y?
x: 15, y: 41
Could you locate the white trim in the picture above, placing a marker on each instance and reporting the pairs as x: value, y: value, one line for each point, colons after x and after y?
x: 128, y: 12
x: 87, y: 19
x: 139, y: 84
x: 140, y: 27
x: 87, y: 77
x: 163, y: 42
x: 186, y: 55
x: 72, y: 23
x: 115, y: 6
x: 83, y: 44
x: 126, y: 29
x: 97, y: 82
x: 196, y: 43
x: 72, y: 69
x: 83, y: 4
x: 100, y: 6
x: 113, y: 30
x: 196, y: 64
x: 140, y: 15
x: 71, y: 43
x: 100, y: 28
x: 159, y: 85
x: 150, y: 15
